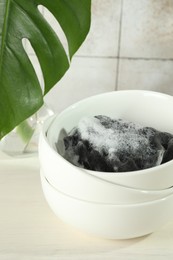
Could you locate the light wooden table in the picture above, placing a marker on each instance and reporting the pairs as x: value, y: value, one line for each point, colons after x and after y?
x: 30, y: 231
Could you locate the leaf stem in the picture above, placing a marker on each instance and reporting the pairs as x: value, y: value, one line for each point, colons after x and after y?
x: 25, y: 131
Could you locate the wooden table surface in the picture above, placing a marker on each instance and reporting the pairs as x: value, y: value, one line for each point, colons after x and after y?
x: 30, y: 231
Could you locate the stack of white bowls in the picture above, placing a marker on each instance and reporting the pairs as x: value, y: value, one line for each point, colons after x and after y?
x: 109, y: 205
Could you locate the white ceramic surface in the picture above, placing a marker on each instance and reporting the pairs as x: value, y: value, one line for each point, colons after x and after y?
x: 79, y: 184
x: 146, y: 107
x: 109, y: 221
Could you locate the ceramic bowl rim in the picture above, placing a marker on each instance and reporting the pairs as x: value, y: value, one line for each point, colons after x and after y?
x: 46, y: 128
x: 140, y: 204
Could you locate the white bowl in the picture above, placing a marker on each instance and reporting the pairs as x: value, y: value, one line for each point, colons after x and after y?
x: 109, y: 221
x: 77, y: 183
x: 145, y: 107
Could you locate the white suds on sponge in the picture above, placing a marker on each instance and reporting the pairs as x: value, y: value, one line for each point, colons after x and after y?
x: 106, y: 144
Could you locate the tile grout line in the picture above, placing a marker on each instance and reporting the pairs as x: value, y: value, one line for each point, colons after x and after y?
x: 123, y: 58
x: 120, y: 57
x: 119, y: 47
x: 146, y: 59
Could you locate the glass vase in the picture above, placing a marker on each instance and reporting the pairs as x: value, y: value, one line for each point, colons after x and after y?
x: 23, y: 140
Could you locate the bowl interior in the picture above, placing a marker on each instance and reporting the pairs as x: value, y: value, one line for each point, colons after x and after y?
x: 145, y: 107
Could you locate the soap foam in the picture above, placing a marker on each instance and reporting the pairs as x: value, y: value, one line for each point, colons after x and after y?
x: 120, y: 136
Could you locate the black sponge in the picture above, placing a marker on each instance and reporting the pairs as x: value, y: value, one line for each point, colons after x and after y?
x: 101, y: 143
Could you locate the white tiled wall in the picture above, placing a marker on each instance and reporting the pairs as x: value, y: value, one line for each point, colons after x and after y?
x: 129, y: 46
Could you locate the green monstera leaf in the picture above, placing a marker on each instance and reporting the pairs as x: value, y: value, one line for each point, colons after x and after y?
x: 20, y: 91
